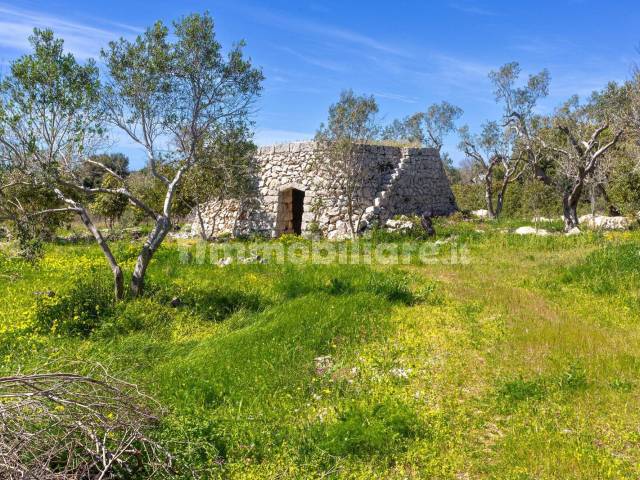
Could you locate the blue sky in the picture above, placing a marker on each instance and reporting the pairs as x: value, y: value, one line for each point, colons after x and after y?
x: 408, y: 53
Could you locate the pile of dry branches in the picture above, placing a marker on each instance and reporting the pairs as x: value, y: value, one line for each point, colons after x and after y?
x: 66, y: 426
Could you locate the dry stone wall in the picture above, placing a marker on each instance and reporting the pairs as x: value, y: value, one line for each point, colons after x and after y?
x: 396, y: 181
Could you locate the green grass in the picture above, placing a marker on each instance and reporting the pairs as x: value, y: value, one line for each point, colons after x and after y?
x: 522, y: 363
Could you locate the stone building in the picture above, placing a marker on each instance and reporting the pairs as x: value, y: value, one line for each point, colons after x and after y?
x: 298, y: 192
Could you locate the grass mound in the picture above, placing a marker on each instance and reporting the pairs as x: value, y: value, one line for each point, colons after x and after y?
x: 520, y: 363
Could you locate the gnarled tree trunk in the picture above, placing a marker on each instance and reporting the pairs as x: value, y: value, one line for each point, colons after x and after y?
x: 570, y: 201
x: 155, y: 238
x: 488, y: 193
x: 118, y: 277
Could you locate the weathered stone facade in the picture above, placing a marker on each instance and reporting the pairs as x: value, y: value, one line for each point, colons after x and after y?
x: 298, y: 192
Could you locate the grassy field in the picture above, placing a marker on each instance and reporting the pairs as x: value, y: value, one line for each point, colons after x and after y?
x: 522, y: 362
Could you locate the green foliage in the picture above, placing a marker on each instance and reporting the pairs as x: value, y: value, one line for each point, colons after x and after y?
x: 527, y: 199
x: 427, y: 129
x: 539, y: 200
x: 624, y: 185
x: 305, y: 371
x: 612, y: 270
x: 142, y: 314
x: 394, y: 288
x: 351, y: 120
x: 29, y: 236
x: 110, y: 206
x: 92, y: 175
x: 30, y: 231
x: 518, y: 390
x: 367, y: 430
x: 148, y: 189
x: 47, y: 79
x: 511, y: 393
x: 78, y: 309
x: 343, y: 280
x: 219, y: 303
x: 469, y: 196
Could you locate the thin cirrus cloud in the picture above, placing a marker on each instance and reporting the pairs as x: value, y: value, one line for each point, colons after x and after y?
x: 332, y: 32
x: 315, y: 60
x: 473, y: 10
x: 396, y: 97
x: 83, y: 40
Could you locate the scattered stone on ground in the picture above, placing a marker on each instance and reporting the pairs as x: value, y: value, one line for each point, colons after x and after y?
x: 223, y: 262
x: 532, y: 231
x: 399, y: 372
x: 323, y: 364
x: 601, y: 222
x: 544, y: 219
x: 480, y: 213
x: 398, y: 226
x: 181, y: 235
x: 253, y: 259
x: 46, y: 293
x: 573, y: 231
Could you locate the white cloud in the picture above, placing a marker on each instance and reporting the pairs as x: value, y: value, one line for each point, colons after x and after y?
x: 316, y: 61
x: 84, y: 41
x: 396, y: 97
x: 329, y: 31
x: 473, y: 10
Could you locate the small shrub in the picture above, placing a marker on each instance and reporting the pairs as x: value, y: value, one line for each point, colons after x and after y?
x: 573, y: 379
x: 342, y: 280
x: 136, y: 315
x: 339, y: 286
x: 394, y: 288
x: 216, y: 303
x: 515, y: 391
x: 512, y: 392
x: 363, y: 430
x: 622, y: 385
x: 428, y: 294
x: 608, y: 271
x: 313, y: 228
x: 469, y: 196
x: 78, y: 310
x: 334, y: 280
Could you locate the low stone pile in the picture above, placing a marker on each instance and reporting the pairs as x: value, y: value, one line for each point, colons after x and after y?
x: 480, y: 213
x: 400, y: 225
x: 600, y: 222
x: 532, y: 231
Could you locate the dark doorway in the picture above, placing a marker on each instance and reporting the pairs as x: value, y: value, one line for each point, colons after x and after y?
x: 290, y: 210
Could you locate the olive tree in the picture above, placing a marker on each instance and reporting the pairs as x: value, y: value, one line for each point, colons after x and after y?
x: 407, y: 131
x: 428, y: 128
x: 519, y: 115
x: 226, y: 170
x: 92, y: 175
x: 505, y: 149
x: 439, y: 121
x: 169, y: 93
x: 350, y: 127
x: 111, y: 207
x: 491, y: 154
x: 586, y: 134
x: 49, y: 125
